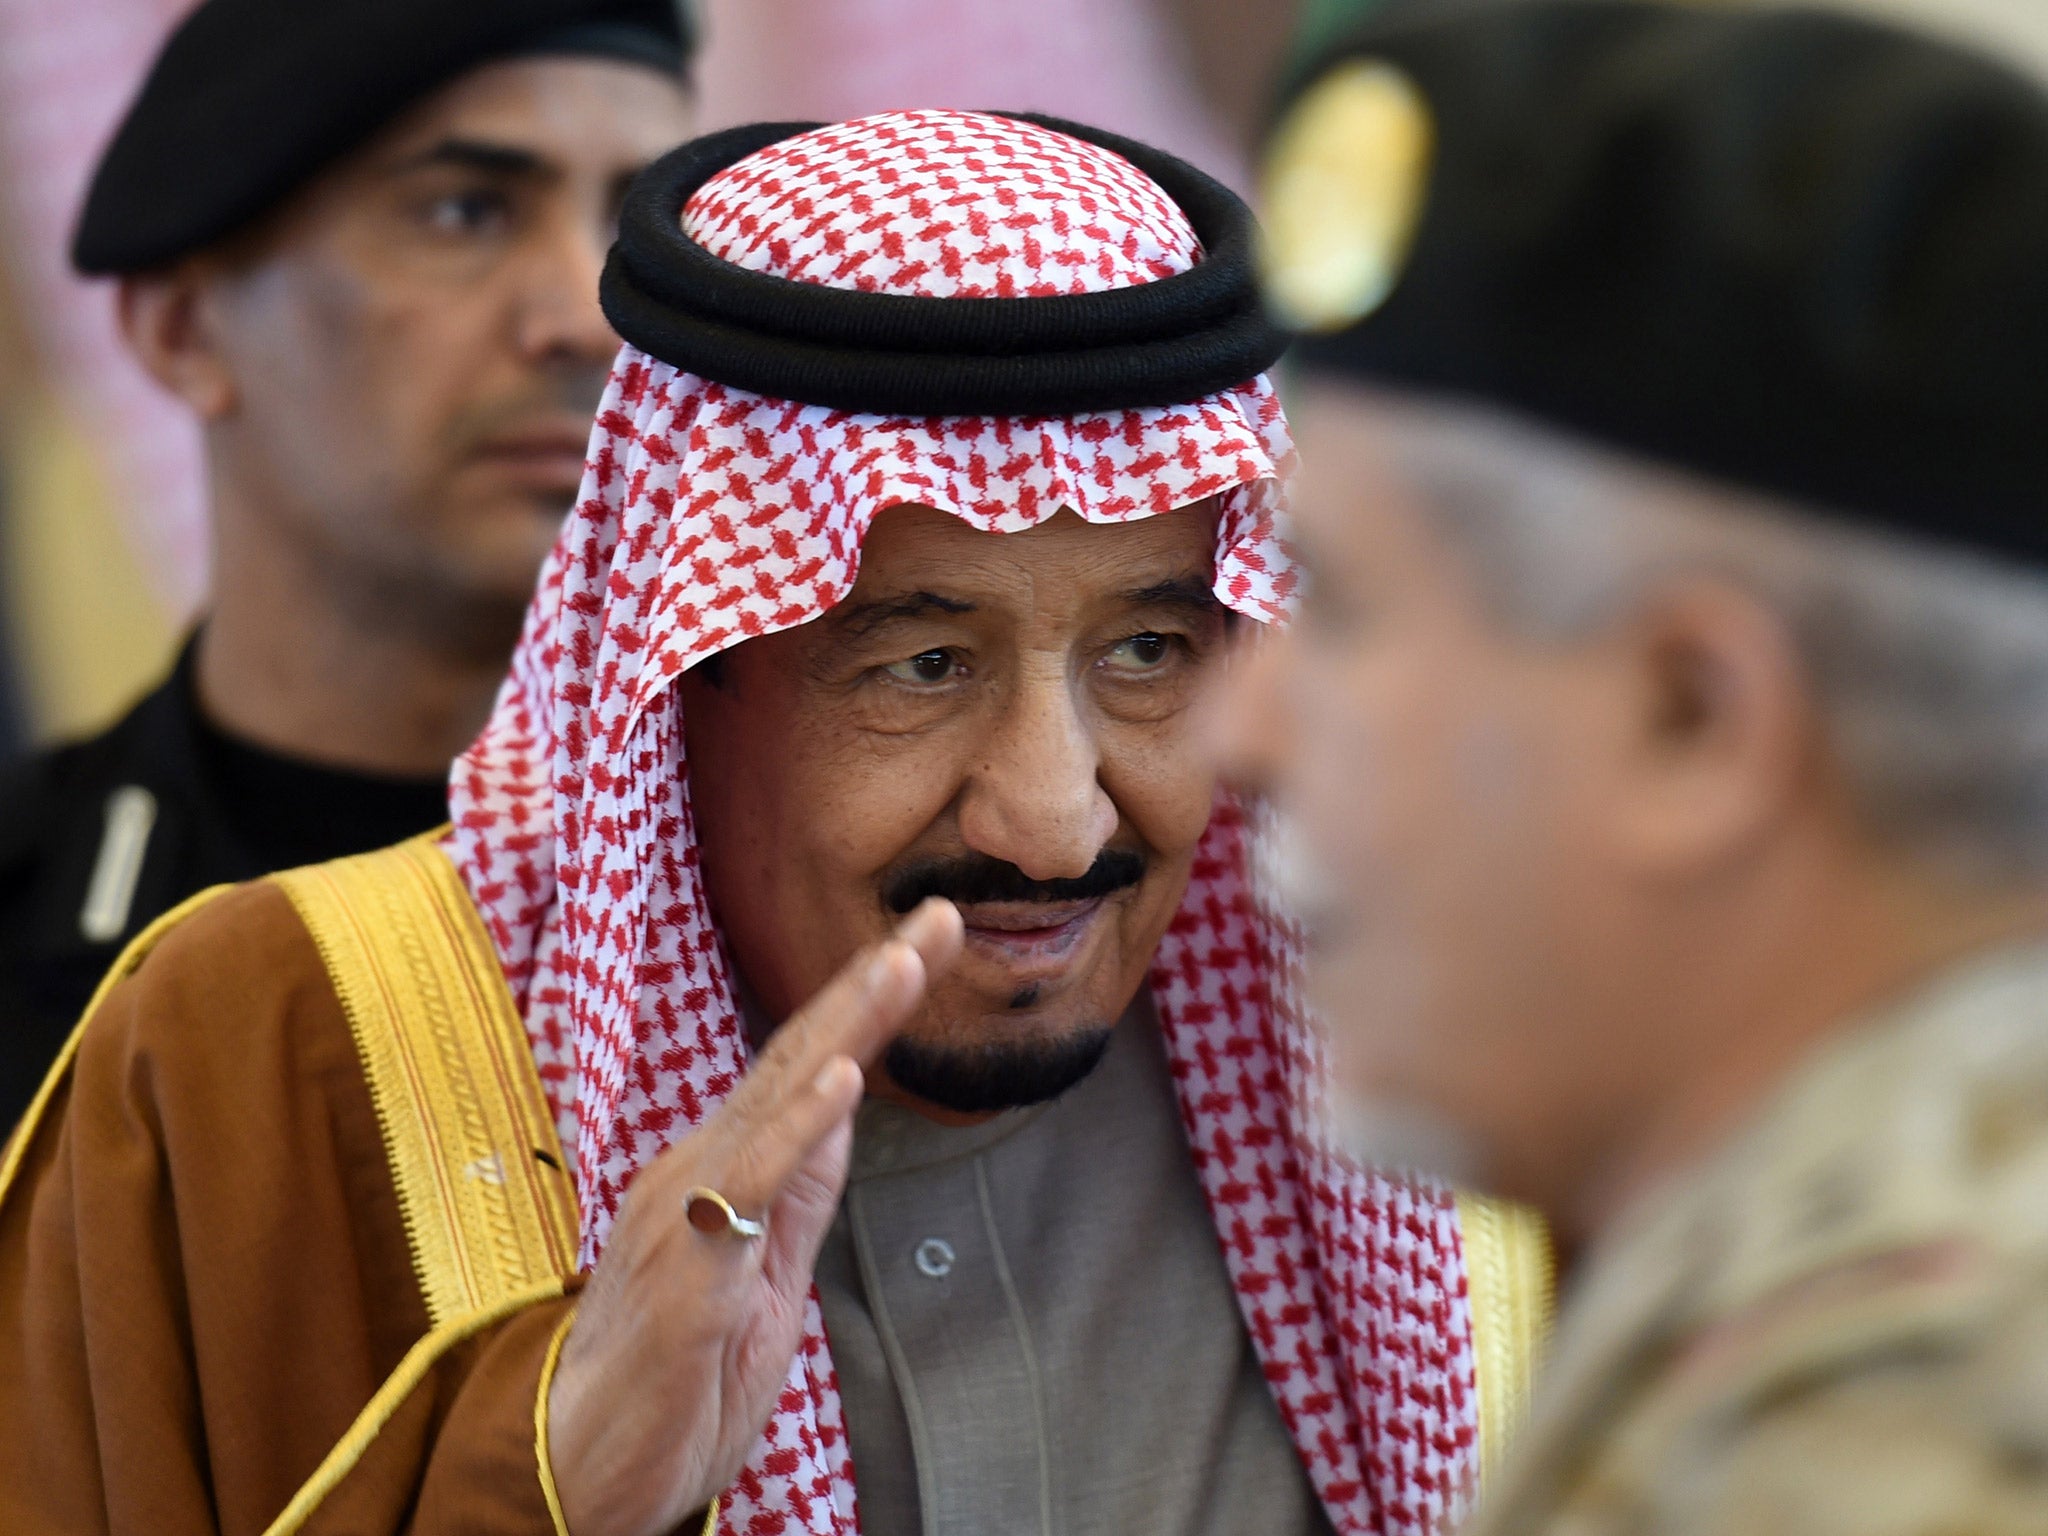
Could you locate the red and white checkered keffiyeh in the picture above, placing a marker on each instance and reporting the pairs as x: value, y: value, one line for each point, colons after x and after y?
x: 709, y: 515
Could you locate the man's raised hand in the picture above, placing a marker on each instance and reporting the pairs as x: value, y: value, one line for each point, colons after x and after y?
x: 684, y: 1338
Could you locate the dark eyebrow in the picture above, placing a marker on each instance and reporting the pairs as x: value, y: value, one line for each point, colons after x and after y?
x: 477, y: 155
x: 1190, y: 593
x: 863, y: 619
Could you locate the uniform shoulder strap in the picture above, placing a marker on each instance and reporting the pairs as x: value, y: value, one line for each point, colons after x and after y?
x: 1510, y: 1282
x: 482, y: 1185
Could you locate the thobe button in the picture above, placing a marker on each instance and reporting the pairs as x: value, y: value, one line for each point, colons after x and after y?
x: 935, y: 1258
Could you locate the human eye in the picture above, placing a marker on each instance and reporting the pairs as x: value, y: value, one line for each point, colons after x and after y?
x: 467, y: 211
x: 1139, y: 654
x: 927, y: 669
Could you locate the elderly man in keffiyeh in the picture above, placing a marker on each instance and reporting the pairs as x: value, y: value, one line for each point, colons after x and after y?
x: 474, y: 1185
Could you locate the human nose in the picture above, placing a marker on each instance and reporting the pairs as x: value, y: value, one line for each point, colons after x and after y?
x: 560, y: 318
x: 1250, y: 724
x: 1036, y: 800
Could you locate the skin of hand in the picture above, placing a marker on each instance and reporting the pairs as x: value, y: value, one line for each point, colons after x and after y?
x: 683, y: 1339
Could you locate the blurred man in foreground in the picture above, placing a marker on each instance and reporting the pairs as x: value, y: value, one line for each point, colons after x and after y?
x: 1669, y: 721
x: 361, y: 241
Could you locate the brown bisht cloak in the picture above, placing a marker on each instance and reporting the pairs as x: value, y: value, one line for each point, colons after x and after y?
x: 287, y: 1242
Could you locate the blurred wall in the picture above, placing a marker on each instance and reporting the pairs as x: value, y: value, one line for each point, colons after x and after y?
x: 87, y: 630
x: 103, y: 545
x: 81, y: 629
x: 1125, y: 65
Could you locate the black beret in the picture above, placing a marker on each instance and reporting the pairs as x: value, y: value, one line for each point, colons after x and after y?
x: 1166, y: 342
x: 250, y: 98
x: 1790, y: 249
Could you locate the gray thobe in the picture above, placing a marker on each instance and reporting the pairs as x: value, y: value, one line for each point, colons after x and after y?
x: 1034, y: 1330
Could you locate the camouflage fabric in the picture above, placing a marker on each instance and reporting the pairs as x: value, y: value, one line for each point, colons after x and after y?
x: 1840, y: 1324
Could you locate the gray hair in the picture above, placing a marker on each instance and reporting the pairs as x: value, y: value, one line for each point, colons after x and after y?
x: 1929, y: 665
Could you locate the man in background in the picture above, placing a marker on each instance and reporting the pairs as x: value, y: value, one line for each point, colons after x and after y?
x: 1669, y: 720
x: 361, y: 241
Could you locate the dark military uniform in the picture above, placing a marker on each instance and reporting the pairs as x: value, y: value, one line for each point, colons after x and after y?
x: 98, y: 837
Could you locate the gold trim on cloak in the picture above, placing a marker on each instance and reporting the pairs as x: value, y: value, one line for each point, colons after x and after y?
x: 481, y: 1180
x: 1510, y: 1281
x: 482, y: 1185
x: 417, y: 1365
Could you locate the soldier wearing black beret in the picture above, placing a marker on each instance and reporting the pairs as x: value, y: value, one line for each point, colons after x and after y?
x: 1668, y: 725
x: 360, y: 240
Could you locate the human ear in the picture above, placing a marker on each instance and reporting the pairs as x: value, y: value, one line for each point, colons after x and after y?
x: 1722, y: 728
x: 167, y: 320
